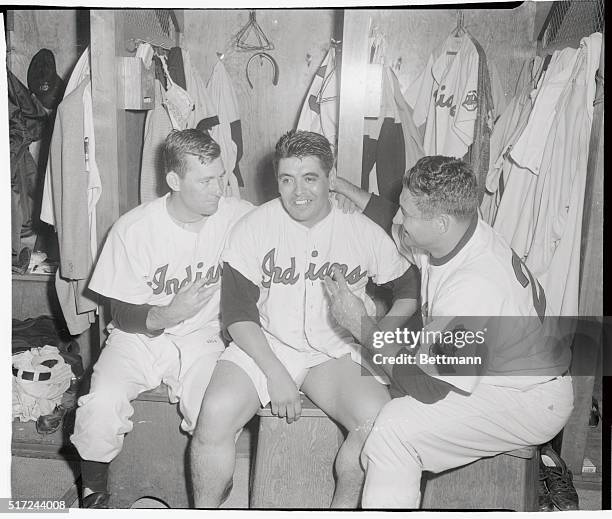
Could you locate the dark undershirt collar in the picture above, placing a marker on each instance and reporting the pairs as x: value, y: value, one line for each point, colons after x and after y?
x: 464, y: 239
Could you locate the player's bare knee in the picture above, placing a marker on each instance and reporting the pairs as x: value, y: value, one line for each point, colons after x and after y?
x: 216, y: 423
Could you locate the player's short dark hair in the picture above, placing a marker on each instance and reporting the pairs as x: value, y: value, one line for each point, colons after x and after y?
x: 443, y: 185
x: 180, y: 143
x: 300, y: 144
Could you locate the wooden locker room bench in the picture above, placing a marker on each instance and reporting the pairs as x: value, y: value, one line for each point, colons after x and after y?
x: 294, y: 462
x: 507, y: 481
x: 154, y: 458
x: 294, y: 469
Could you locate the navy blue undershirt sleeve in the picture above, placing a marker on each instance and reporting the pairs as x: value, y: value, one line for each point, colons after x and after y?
x: 239, y: 297
x: 381, y: 211
x: 131, y: 318
x: 407, y: 286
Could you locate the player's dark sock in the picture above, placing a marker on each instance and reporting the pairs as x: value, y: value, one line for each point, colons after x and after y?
x: 94, y: 475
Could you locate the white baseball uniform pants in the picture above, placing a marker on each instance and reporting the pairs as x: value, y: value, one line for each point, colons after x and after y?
x: 131, y: 364
x: 297, y: 363
x: 409, y: 437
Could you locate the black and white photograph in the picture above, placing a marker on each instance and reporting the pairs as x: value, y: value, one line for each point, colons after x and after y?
x: 307, y: 258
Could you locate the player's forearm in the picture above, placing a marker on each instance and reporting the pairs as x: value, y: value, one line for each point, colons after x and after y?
x: 355, y: 194
x: 399, y: 313
x: 162, y: 317
x: 131, y: 318
x: 249, y: 337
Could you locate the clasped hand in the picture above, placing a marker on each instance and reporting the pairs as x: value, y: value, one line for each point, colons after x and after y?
x: 285, y: 399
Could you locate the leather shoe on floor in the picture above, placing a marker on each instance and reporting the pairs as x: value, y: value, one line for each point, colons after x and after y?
x: 49, y: 423
x: 559, y: 482
x: 561, y: 488
x: 96, y: 500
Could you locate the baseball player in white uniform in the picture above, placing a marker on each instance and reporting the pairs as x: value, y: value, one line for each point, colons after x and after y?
x: 160, y: 267
x: 469, y: 276
x: 273, y: 303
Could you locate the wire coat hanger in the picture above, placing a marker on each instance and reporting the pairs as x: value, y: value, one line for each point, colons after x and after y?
x: 251, y: 29
x: 460, y: 28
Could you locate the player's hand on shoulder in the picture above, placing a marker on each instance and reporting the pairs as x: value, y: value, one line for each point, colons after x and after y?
x: 345, y: 204
x: 285, y: 399
x: 346, y: 307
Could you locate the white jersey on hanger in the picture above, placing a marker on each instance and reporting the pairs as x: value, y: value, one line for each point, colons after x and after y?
x: 319, y: 113
x: 518, y: 208
x: 554, y: 255
x: 445, y: 96
x: 225, y: 102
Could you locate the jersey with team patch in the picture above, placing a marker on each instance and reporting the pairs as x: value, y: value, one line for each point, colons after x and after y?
x: 445, y: 96
x: 147, y: 258
x: 288, y: 262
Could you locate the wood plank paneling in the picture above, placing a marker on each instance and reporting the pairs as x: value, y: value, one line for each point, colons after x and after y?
x: 105, y: 113
x: 109, y: 133
x: 352, y: 94
x: 591, y: 265
x: 303, y: 452
x: 591, y: 290
x: 55, y: 29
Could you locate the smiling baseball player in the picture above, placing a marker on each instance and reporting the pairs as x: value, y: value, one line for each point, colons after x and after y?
x: 160, y: 268
x: 274, y: 306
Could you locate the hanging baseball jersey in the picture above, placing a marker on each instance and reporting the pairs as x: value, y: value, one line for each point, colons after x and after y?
x: 288, y: 262
x: 147, y: 258
x: 519, y: 163
x: 554, y: 255
x: 528, y: 149
x: 196, y: 88
x: 445, y: 97
x: 225, y: 104
x: 320, y: 111
x: 391, y: 143
x: 512, y: 119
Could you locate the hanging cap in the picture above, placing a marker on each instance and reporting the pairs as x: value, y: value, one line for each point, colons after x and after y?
x: 43, y: 80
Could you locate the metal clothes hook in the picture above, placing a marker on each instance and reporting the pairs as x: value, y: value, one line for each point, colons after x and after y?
x: 272, y: 62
